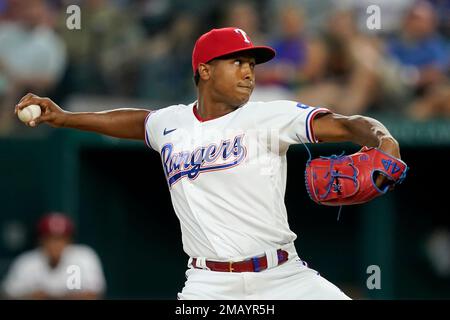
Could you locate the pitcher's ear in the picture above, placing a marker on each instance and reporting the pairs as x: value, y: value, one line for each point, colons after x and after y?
x: 204, y: 71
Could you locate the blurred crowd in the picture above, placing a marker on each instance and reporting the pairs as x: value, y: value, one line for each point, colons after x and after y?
x: 141, y: 49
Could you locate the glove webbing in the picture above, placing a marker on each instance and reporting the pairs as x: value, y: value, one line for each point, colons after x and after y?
x: 335, y: 175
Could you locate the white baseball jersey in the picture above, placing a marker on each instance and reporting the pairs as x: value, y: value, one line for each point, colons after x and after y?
x: 227, y: 176
x: 30, y: 272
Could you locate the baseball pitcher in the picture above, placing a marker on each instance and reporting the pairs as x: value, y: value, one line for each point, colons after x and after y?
x: 224, y: 159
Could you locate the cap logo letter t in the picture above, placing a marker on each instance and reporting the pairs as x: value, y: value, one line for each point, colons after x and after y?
x: 242, y: 32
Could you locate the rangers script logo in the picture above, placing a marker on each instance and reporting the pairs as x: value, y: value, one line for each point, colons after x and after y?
x: 213, y: 157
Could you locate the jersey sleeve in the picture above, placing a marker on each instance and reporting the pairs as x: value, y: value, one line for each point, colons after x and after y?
x: 292, y: 120
x: 149, y: 125
x: 156, y: 122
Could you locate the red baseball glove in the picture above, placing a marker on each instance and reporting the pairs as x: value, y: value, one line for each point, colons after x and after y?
x: 344, y: 180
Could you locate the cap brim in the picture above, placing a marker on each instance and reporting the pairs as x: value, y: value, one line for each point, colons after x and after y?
x: 260, y: 53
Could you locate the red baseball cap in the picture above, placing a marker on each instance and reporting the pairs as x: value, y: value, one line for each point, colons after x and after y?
x: 221, y: 42
x: 55, y: 223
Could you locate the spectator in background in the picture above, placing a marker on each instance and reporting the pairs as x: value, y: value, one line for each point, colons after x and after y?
x: 300, y: 59
x: 246, y: 16
x: 32, y: 56
x: 421, y: 51
x: 102, y: 55
x: 348, y: 81
x: 43, y: 272
x: 165, y: 70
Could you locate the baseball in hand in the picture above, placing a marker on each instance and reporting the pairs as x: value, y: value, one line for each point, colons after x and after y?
x: 29, y: 113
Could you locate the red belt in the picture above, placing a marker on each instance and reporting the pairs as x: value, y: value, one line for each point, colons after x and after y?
x: 250, y: 265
